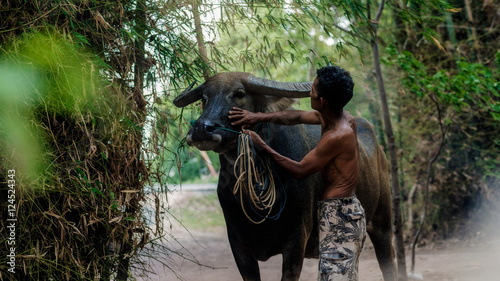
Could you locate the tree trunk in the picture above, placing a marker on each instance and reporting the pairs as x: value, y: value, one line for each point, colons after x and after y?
x: 451, y: 31
x: 409, y: 223
x: 208, y: 162
x: 374, y: 110
x: 396, y: 199
x: 199, y: 38
x: 206, y: 70
x: 471, y: 30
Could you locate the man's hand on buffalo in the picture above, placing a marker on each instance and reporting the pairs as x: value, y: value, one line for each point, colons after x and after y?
x: 243, y: 117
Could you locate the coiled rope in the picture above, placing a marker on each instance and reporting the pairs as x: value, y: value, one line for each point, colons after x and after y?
x: 255, y: 181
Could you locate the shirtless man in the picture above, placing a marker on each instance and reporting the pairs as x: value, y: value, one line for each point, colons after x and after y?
x: 342, y: 223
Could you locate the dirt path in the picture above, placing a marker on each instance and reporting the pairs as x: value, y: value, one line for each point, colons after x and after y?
x: 457, y: 261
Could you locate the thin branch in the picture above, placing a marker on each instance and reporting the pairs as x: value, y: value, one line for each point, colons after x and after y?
x: 435, y: 156
x: 379, y: 12
x: 199, y: 39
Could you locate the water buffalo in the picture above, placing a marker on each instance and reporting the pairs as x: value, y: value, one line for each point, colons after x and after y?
x: 294, y: 234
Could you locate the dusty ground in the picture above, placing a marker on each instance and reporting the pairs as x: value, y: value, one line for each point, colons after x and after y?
x: 449, y: 261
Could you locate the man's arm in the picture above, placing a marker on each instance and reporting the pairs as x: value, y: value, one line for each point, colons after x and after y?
x: 313, y: 162
x: 287, y: 117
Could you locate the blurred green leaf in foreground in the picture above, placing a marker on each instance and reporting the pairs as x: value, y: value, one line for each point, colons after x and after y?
x: 39, y: 73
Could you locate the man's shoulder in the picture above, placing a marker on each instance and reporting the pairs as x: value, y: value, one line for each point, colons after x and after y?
x: 340, y: 134
x: 336, y: 142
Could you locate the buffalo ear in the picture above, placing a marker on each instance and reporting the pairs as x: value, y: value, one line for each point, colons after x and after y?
x: 189, y: 96
x: 277, y: 103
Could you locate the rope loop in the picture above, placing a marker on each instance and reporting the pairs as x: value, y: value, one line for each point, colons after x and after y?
x: 255, y: 181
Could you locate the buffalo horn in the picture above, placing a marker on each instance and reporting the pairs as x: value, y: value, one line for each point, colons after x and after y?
x: 279, y: 89
x: 187, y: 97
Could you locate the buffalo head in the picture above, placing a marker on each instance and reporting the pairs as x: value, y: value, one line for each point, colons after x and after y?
x: 221, y: 92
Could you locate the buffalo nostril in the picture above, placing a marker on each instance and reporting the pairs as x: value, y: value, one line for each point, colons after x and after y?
x: 206, y: 126
x: 210, y: 128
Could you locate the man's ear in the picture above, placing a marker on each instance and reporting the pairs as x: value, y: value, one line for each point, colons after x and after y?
x: 324, y: 102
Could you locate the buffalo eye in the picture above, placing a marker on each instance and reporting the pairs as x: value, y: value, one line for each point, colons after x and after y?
x: 204, y: 100
x: 239, y: 94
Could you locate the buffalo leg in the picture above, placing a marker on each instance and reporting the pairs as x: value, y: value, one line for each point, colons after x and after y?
x: 380, y: 229
x: 247, y: 264
x: 293, y: 259
x: 382, y: 242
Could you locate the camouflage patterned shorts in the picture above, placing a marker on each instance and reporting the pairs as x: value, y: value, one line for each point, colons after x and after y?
x: 342, y: 233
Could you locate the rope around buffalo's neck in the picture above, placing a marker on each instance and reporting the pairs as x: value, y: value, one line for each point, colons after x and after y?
x: 255, y: 180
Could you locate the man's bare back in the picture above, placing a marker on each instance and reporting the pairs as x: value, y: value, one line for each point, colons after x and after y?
x: 340, y: 175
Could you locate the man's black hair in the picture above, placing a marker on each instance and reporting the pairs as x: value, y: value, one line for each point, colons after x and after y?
x: 335, y: 85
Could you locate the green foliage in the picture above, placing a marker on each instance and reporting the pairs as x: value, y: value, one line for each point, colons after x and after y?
x: 16, y: 133
x: 67, y: 76
x: 497, y: 59
x: 472, y: 86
